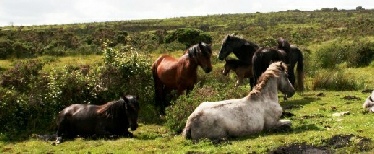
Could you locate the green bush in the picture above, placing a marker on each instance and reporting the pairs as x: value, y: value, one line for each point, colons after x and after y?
x: 30, y: 99
x: 355, y: 54
x: 205, y: 90
x: 335, y: 79
x: 188, y: 36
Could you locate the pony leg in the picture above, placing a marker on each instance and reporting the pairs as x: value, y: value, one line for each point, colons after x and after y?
x: 239, y: 82
x: 252, y: 82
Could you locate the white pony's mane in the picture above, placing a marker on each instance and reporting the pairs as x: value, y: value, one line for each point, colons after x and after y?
x: 273, y: 70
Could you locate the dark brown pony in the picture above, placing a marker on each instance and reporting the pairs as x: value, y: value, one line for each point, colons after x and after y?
x: 179, y: 74
x: 87, y: 120
x: 263, y: 57
x: 241, y: 69
x: 293, y: 57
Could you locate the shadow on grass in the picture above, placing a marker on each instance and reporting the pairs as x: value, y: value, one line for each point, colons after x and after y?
x: 280, y: 131
x: 298, y: 103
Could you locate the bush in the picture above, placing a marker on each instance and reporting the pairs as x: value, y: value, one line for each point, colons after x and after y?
x: 205, y: 90
x: 188, y: 36
x: 357, y: 53
x: 31, y: 99
x: 335, y: 79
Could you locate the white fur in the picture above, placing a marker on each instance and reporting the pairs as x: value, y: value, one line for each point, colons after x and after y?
x: 238, y: 117
x: 369, y: 103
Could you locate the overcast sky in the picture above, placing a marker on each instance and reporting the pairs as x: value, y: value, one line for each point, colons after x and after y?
x: 41, y: 12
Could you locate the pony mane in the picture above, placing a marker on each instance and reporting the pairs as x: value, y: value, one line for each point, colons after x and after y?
x: 240, y: 38
x: 111, y: 109
x: 273, y: 70
x: 193, y: 48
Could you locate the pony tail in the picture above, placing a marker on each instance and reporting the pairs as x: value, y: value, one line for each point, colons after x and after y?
x: 300, y: 71
x: 156, y: 81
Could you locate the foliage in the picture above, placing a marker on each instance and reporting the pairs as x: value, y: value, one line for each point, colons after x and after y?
x: 336, y: 79
x: 188, y: 36
x: 355, y: 54
x: 205, y: 90
x: 31, y: 98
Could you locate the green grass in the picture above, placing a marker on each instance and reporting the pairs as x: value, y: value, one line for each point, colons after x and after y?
x: 312, y: 123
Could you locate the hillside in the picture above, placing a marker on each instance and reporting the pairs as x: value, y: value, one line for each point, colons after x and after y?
x: 299, y: 27
x: 46, y: 68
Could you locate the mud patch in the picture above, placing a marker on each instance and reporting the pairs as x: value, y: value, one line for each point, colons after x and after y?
x: 338, y: 141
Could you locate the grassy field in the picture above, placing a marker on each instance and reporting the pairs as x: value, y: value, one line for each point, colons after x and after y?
x: 311, y: 113
x: 313, y: 124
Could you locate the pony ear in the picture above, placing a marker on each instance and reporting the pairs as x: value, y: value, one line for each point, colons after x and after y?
x: 125, y: 98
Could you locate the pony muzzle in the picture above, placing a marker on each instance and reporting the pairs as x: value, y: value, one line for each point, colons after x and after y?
x: 208, y: 69
x: 134, y: 126
x: 290, y: 94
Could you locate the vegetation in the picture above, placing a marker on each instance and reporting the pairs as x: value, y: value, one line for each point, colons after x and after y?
x: 40, y: 75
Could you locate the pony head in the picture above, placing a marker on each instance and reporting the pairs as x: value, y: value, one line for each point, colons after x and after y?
x: 284, y: 83
x: 202, y: 53
x: 132, y: 110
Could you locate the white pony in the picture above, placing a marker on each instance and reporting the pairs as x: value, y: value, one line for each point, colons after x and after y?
x: 369, y: 103
x: 257, y: 111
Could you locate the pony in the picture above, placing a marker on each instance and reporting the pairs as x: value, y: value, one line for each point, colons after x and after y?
x: 242, y: 49
x: 258, y: 111
x: 241, y: 69
x: 369, y: 103
x: 263, y: 57
x: 179, y: 74
x: 88, y: 120
x: 293, y: 56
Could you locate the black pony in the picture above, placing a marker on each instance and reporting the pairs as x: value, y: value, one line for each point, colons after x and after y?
x: 107, y: 120
x: 293, y: 56
x: 263, y: 57
x: 243, y: 50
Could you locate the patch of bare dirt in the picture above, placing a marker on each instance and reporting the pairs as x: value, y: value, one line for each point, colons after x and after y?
x: 337, y: 141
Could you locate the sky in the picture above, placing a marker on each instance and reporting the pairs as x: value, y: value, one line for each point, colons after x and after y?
x: 47, y: 12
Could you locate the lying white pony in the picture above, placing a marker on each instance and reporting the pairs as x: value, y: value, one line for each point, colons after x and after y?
x: 369, y: 103
x: 251, y: 114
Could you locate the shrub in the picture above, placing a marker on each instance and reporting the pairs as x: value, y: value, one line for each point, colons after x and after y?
x: 205, y: 90
x: 188, y: 36
x: 31, y: 99
x: 357, y: 53
x: 335, y: 79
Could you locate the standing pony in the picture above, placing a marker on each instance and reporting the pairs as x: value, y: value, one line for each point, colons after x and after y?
x: 242, y: 49
x: 179, y: 74
x: 263, y: 57
x: 241, y: 69
x: 257, y: 111
x: 293, y: 56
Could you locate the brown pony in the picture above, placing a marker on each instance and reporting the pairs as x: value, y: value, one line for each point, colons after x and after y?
x: 241, y: 69
x: 179, y: 74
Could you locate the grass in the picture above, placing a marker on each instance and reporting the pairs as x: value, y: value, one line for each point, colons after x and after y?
x: 312, y: 123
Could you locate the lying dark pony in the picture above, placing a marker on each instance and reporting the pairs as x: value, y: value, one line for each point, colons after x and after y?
x: 107, y: 120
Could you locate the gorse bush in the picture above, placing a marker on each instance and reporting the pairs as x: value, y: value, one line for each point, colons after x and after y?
x: 30, y: 98
x: 335, y: 79
x: 206, y: 90
x: 355, y: 54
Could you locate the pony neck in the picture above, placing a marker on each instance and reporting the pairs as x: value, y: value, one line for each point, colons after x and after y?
x: 189, y: 62
x: 265, y: 90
